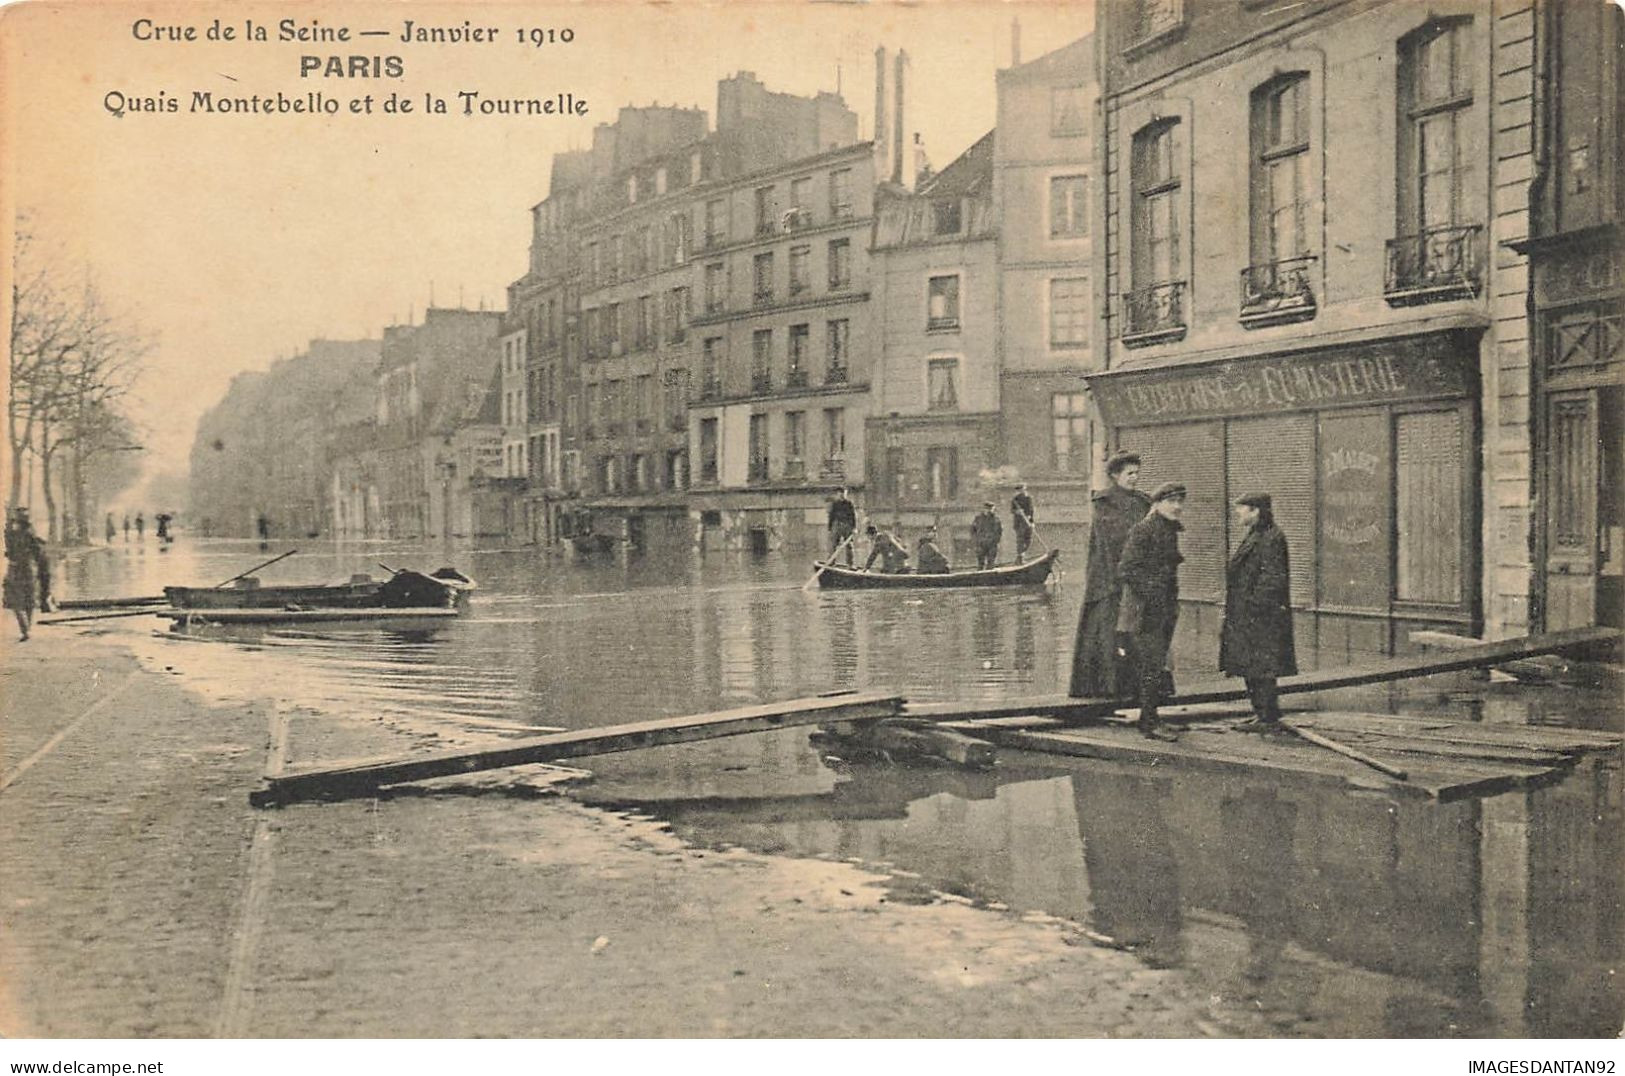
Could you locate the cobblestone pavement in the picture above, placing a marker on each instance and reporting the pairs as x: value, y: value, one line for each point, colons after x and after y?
x: 141, y: 896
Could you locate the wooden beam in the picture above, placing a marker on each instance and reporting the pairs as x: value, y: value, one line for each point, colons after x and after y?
x: 364, y: 777
x: 1405, y: 668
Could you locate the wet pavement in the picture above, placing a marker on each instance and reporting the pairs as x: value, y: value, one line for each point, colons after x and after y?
x: 1297, y: 910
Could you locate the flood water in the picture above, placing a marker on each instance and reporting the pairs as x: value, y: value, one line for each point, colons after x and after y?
x: 1300, y: 910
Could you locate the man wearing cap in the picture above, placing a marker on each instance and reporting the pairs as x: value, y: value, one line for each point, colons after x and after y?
x: 1150, y: 603
x: 985, y: 532
x: 884, y: 546
x: 1021, y: 519
x: 1097, y: 671
x: 1255, y: 641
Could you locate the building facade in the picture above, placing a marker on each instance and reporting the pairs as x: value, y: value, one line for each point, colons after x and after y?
x: 1319, y: 301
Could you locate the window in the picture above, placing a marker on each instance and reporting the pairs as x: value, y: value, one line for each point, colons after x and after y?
x: 614, y: 401
x: 677, y: 314
x: 1156, y: 204
x: 1068, y: 111
x: 840, y: 263
x: 1068, y: 207
x: 677, y: 236
x: 800, y: 258
x: 631, y: 188
x: 1280, y: 179
x: 617, y: 255
x: 942, y: 473
x: 946, y: 217
x: 835, y: 433
x: 758, y: 448
x: 796, y: 377
x: 942, y: 384
x: 677, y: 469
x: 766, y: 211
x: 640, y: 252
x: 646, y: 321
x: 594, y: 263
x: 761, y: 275
x: 645, y: 400
x: 696, y: 167
x: 840, y: 194
x: 1069, y: 312
x: 836, y: 351
x: 716, y: 287
x: 1156, y: 18
x: 711, y: 370
x: 708, y: 450
x: 942, y: 303
x: 716, y: 222
x: 795, y: 435
x: 761, y: 360
x: 660, y: 180
x: 800, y: 215
x: 676, y: 386
x: 612, y: 327
x: 1069, y: 414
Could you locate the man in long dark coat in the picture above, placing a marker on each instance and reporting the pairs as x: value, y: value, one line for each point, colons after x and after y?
x: 1255, y: 641
x: 985, y: 532
x: 1149, y: 608
x: 1097, y: 671
x: 1021, y: 519
x: 843, y: 525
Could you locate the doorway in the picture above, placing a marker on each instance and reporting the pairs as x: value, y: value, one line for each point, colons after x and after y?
x: 1585, y: 547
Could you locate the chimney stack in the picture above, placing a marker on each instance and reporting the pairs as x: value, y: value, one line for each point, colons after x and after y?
x: 898, y: 122
x: 881, y: 145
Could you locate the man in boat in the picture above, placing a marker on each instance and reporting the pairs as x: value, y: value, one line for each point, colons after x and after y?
x: 1255, y: 640
x: 928, y: 557
x: 1149, y: 607
x: 884, y: 545
x: 1098, y: 671
x: 1021, y: 520
x: 985, y: 532
x: 843, y: 524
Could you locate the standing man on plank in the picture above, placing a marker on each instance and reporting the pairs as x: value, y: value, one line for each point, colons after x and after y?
x: 1150, y: 604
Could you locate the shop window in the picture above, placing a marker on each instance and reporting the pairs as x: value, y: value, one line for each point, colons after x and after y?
x: 1429, y: 507
x: 942, y: 473
x: 1435, y: 253
x: 942, y: 384
x: 1068, y: 207
x: 1070, y: 449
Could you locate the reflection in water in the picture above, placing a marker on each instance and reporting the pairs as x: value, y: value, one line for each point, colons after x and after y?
x: 1299, y: 910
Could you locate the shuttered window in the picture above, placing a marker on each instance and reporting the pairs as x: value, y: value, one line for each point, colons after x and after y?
x: 1429, y: 481
x: 1193, y: 455
x: 1272, y: 455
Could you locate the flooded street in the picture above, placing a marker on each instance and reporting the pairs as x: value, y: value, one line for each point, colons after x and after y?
x: 1295, y: 908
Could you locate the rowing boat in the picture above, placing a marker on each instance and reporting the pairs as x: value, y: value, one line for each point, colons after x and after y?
x: 445, y: 588
x: 1032, y: 573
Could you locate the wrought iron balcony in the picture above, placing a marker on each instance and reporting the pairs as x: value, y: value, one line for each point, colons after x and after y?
x: 840, y: 211
x: 761, y: 381
x: 796, y: 379
x: 1435, y: 266
x: 835, y: 375
x: 1273, y: 293
x: 762, y: 297
x: 1155, y: 315
x: 711, y: 387
x: 833, y: 468
x: 795, y: 470
x: 942, y: 324
x: 758, y: 469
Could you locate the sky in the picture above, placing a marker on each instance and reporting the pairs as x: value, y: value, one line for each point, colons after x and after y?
x: 237, y: 238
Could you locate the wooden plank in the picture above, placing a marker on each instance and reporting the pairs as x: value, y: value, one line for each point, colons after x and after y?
x: 363, y: 777
x: 1446, y: 749
x: 1067, y: 708
x: 1535, y: 737
x: 923, y: 739
x: 111, y: 603
x: 1346, y: 751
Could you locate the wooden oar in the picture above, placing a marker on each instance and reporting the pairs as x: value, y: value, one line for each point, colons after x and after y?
x: 1032, y: 529
x: 1343, y: 749
x: 254, y: 569
x: 102, y: 616
x: 808, y: 585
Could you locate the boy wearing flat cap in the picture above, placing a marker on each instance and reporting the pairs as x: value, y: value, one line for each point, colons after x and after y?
x: 1255, y: 641
x: 1150, y: 604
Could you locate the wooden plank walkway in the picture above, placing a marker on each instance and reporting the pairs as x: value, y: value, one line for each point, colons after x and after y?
x: 1064, y: 708
x: 1444, y: 759
x: 367, y: 776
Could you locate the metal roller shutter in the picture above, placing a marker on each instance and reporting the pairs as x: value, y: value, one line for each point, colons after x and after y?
x: 1193, y: 455
x: 1276, y: 456
x: 1429, y: 507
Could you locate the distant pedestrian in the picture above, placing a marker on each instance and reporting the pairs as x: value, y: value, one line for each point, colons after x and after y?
x: 1098, y: 669
x: 140, y: 526
x: 262, y: 526
x: 1255, y: 641
x: 985, y: 532
x: 843, y: 525
x: 163, y: 519
x: 112, y: 529
x: 26, y: 566
x: 885, y: 546
x: 928, y: 556
x: 1022, y: 518
x: 126, y: 526
x: 1149, y: 608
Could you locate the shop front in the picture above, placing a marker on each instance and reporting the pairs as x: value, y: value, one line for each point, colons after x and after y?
x: 1369, y: 454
